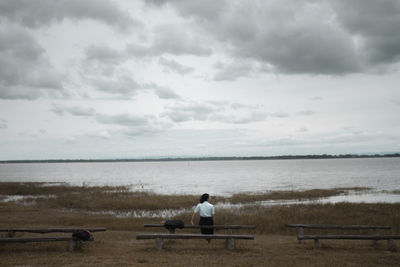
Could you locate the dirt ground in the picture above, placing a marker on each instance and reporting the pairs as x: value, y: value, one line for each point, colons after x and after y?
x: 120, y: 248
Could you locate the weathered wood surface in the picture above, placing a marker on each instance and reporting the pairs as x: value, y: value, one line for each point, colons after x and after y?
x: 50, y: 230
x: 354, y: 237
x: 192, y: 236
x: 35, y: 239
x: 230, y: 239
x: 208, y: 226
x: 332, y: 226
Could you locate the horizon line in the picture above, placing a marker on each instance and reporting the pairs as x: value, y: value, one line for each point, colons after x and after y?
x: 205, y: 158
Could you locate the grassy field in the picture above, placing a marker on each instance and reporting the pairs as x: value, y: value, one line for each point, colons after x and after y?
x: 274, y: 245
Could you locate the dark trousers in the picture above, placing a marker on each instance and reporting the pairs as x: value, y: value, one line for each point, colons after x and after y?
x: 206, y: 221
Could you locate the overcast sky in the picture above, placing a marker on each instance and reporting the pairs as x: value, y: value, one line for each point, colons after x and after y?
x: 134, y: 79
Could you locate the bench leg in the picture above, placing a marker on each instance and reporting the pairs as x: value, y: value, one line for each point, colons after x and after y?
x: 230, y: 243
x: 159, y: 243
x: 300, y: 233
x: 317, y: 244
x: 73, y: 244
x: 391, y: 246
x: 376, y: 232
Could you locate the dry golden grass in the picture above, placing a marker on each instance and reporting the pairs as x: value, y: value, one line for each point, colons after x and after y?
x: 274, y: 245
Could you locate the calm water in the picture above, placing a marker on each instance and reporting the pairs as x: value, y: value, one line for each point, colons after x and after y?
x: 217, y: 177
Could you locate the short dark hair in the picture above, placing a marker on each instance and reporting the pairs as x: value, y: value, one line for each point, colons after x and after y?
x: 204, y: 197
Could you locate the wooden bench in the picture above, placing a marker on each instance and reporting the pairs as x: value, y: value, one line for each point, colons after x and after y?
x: 229, y: 237
x: 375, y: 236
x: 73, y: 242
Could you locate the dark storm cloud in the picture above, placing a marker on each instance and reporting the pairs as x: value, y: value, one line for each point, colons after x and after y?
x: 26, y: 72
x: 305, y: 36
x: 44, y: 12
x: 174, y: 66
x: 376, y: 23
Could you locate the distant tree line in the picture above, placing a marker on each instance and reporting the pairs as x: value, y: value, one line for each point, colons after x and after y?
x: 323, y: 156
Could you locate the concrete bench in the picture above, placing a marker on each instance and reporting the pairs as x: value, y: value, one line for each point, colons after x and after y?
x: 73, y: 242
x: 375, y: 237
x: 230, y: 243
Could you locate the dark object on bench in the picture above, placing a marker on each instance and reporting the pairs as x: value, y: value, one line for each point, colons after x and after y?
x: 171, y: 225
x: 83, y: 235
x: 230, y: 244
x: 375, y: 237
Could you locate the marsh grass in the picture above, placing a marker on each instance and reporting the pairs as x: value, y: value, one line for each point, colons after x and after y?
x: 120, y: 198
x: 72, y: 205
x: 292, y: 195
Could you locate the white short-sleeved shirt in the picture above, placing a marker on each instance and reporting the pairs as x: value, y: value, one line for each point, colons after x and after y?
x: 206, y: 209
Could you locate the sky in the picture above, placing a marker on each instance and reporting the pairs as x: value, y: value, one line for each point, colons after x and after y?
x: 177, y: 78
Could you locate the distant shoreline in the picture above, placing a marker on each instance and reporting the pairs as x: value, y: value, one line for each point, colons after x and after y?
x: 283, y: 157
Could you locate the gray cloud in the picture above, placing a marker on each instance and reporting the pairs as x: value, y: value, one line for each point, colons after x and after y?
x: 129, y: 124
x: 171, y: 39
x: 103, y: 53
x: 75, y: 110
x: 306, y: 112
x: 124, y: 85
x: 172, y: 65
x: 306, y: 37
x: 44, y: 12
x: 165, y: 93
x: 316, y: 98
x: 279, y: 115
x: 3, y: 124
x: 232, y: 71
x: 376, y: 23
x: 211, y: 111
x: 123, y: 119
x: 26, y: 71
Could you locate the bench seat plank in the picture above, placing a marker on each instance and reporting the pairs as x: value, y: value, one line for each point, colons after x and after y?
x: 208, y: 226
x: 332, y: 226
x: 35, y: 239
x: 355, y: 237
x: 192, y: 236
x: 50, y: 230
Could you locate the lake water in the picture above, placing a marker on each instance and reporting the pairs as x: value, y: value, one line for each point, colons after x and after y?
x: 217, y: 177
